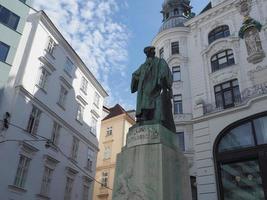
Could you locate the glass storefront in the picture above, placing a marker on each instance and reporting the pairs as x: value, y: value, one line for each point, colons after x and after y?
x: 241, y: 160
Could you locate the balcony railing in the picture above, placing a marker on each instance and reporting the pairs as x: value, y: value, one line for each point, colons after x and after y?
x: 246, y: 95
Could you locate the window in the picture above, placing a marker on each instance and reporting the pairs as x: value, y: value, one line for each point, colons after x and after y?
x: 80, y: 112
x: 51, y: 46
x: 161, y: 53
x: 69, y: 66
x: 227, y: 94
x: 90, y: 159
x: 75, y: 147
x: 97, y: 99
x: 240, y: 159
x: 33, y: 122
x: 176, y: 73
x: 180, y: 140
x: 222, y: 59
x: 109, y: 131
x: 4, y: 49
x: 43, y: 78
x: 55, y: 133
x: 84, y: 85
x: 177, y: 104
x: 68, y: 188
x: 46, y: 181
x: 104, y: 179
x: 22, y: 171
x: 175, y: 48
x: 62, y: 96
x: 85, y: 192
x: 9, y: 18
x: 107, y: 153
x: 93, y: 125
x: 219, y: 32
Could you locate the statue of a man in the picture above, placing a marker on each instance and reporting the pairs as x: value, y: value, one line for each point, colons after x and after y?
x: 153, y: 83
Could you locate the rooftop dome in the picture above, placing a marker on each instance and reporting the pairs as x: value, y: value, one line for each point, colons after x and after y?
x: 175, y: 13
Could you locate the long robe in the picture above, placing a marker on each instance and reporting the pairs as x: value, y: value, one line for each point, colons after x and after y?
x: 153, y: 82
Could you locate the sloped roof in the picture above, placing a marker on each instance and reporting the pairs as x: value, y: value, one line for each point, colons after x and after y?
x: 115, y: 111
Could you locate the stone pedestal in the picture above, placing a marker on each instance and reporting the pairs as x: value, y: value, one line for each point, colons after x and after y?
x: 150, y: 167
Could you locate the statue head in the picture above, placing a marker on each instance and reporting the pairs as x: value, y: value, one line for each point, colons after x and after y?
x: 150, y: 51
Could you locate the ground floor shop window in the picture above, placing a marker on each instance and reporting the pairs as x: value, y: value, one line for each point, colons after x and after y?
x: 240, y: 153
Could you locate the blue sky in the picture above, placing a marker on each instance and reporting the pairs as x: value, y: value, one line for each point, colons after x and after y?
x: 110, y: 35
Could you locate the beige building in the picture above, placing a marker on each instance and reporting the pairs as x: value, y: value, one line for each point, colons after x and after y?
x: 114, y: 128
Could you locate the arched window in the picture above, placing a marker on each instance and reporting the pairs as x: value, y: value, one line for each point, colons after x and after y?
x: 222, y: 59
x: 219, y: 32
x: 240, y: 153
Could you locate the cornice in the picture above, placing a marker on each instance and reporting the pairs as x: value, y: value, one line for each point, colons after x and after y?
x: 165, y: 33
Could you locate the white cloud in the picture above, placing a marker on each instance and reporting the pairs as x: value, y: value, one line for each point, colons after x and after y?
x: 92, y: 30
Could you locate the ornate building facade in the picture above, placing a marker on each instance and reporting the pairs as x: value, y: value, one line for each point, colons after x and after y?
x: 219, y: 65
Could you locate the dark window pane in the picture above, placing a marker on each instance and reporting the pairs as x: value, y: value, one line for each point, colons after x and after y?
x: 242, y: 180
x: 176, y: 73
x: 4, y: 49
x: 180, y: 140
x: 261, y: 130
x: 237, y: 138
x: 9, y: 18
x: 222, y: 59
x: 219, y: 32
x: 175, y: 47
x: 219, y: 100
x: 228, y: 98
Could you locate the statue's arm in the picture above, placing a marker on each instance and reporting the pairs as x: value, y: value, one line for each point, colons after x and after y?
x: 135, y: 81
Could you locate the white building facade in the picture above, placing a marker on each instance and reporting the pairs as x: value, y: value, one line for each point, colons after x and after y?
x: 52, y: 105
x: 220, y: 94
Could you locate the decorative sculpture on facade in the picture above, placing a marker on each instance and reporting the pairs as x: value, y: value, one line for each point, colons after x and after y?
x: 250, y: 32
x: 153, y: 82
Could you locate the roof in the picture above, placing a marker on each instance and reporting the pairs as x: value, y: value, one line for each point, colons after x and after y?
x: 115, y: 111
x: 206, y: 8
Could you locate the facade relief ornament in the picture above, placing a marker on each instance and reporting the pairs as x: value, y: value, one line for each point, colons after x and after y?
x: 258, y: 75
x: 244, y: 7
x: 224, y: 76
x: 249, y: 31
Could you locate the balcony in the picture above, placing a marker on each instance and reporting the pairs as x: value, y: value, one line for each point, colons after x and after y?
x: 246, y: 95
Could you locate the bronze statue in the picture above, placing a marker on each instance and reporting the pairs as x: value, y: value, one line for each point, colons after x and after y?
x: 153, y: 83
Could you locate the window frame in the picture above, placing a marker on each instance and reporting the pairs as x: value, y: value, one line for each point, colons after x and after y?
x: 74, y: 148
x: 46, y: 181
x: 7, y: 18
x: 22, y: 171
x: 43, y: 79
x: 55, y: 133
x: 181, y: 135
x: 230, y: 60
x: 218, y: 32
x: 235, y: 98
x: 80, y: 113
x: 109, y: 131
x: 179, y: 103
x: 5, y: 54
x: 51, y: 45
x: 176, y: 70
x: 34, y: 119
x: 69, y: 67
x: 63, y: 93
x: 104, y: 179
x: 84, y: 85
x: 175, y: 48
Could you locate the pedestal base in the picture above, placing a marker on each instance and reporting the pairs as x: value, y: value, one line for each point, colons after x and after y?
x: 151, y: 167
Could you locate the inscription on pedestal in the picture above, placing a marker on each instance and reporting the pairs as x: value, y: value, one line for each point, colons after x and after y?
x: 143, y: 135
